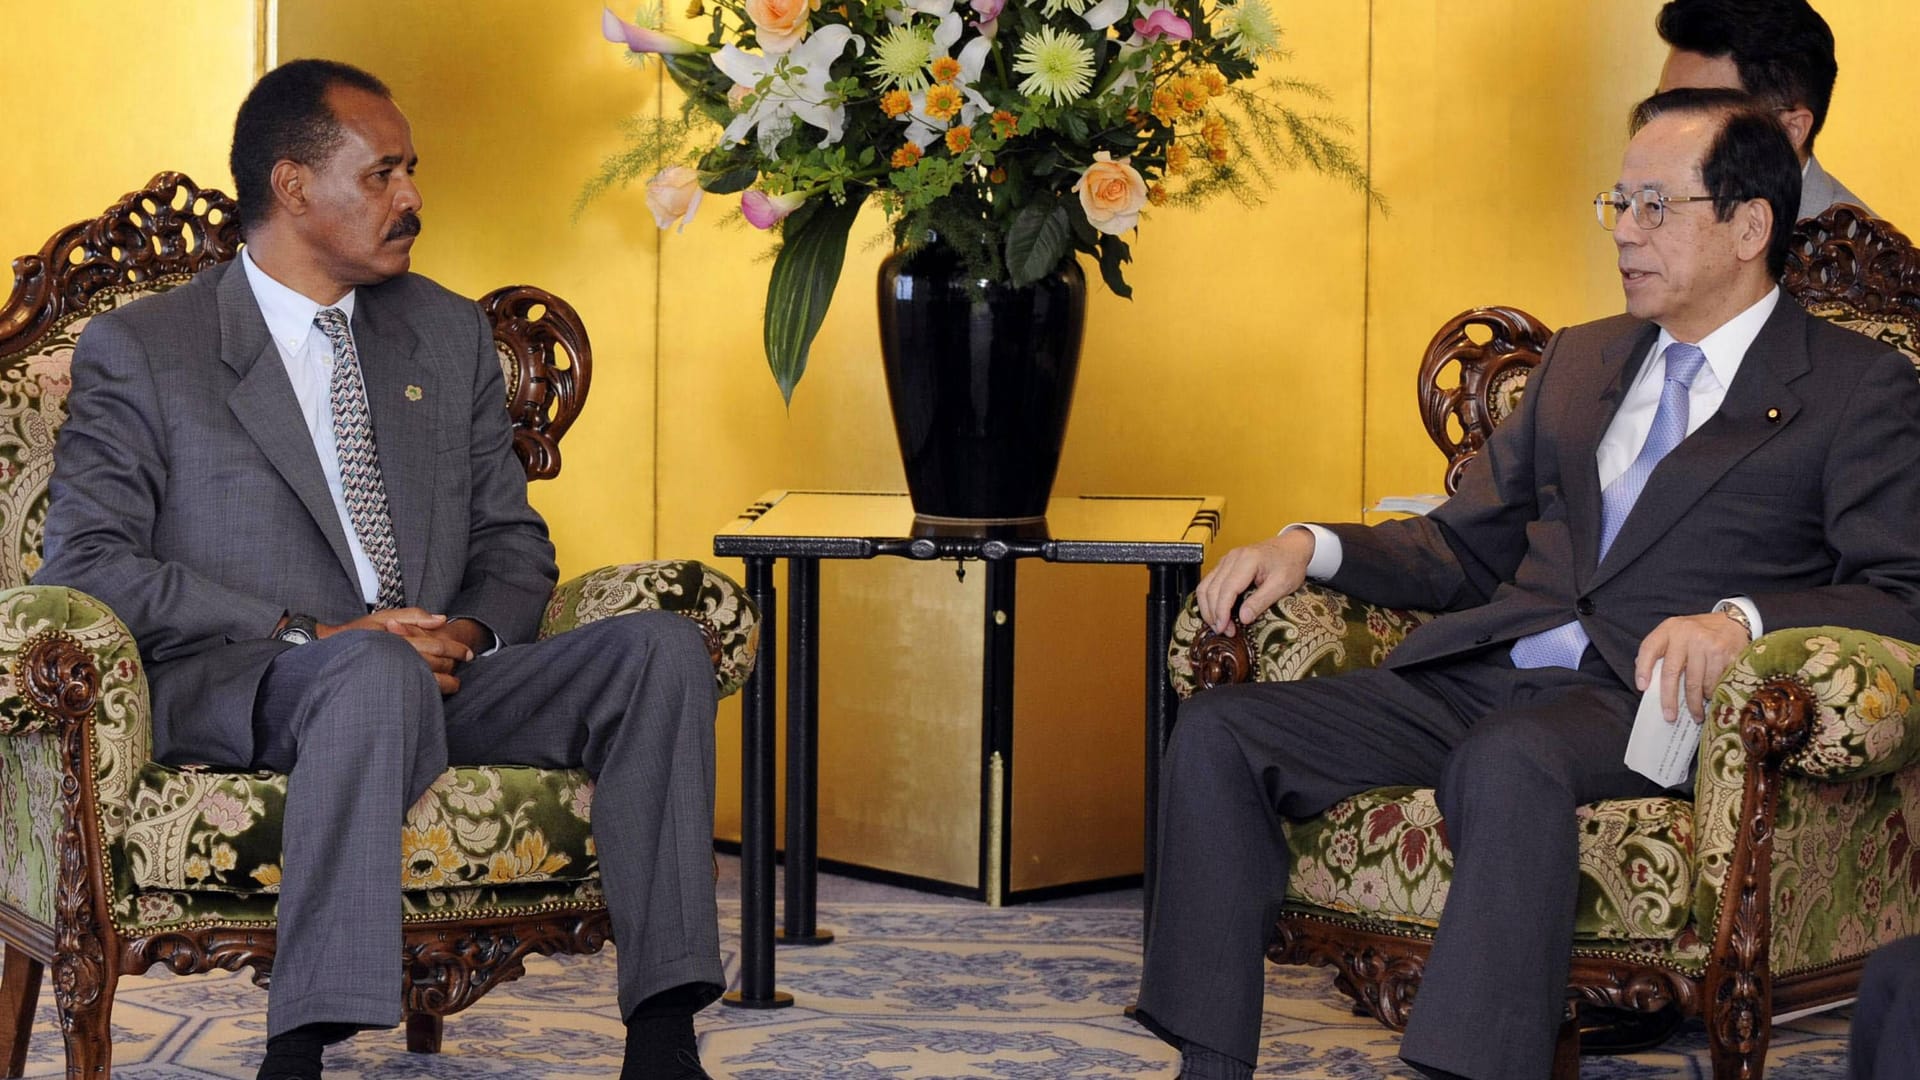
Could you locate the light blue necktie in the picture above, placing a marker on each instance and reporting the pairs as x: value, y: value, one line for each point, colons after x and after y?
x: 1562, y: 645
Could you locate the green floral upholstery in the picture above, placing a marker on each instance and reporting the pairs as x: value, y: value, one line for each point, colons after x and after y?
x: 1846, y: 858
x: 192, y: 847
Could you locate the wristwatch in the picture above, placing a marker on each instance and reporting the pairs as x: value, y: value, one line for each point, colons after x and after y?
x: 298, y: 629
x: 1737, y: 613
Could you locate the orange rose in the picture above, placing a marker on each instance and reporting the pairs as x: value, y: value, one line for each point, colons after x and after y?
x: 779, y: 24
x: 1111, y: 194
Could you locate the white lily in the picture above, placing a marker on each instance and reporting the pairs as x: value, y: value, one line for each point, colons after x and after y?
x: 796, y: 87
x: 1106, y: 13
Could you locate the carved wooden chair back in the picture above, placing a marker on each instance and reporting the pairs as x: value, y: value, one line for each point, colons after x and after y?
x: 1844, y: 265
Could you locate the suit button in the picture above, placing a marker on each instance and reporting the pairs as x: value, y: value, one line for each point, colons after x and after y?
x: 1584, y: 607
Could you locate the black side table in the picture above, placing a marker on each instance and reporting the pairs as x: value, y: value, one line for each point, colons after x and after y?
x: 1166, y: 534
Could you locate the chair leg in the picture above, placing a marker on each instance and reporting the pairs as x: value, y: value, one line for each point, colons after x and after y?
x: 1745, y: 1059
x: 1566, y: 1046
x: 87, y: 1021
x: 19, y: 999
x: 424, y: 1031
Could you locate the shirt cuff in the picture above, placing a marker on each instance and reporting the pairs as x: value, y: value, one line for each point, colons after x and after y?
x: 1752, y: 613
x: 1327, y: 552
x: 491, y: 649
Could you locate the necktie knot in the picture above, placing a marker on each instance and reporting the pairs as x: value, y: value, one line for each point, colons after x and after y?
x: 333, y: 322
x: 1684, y: 362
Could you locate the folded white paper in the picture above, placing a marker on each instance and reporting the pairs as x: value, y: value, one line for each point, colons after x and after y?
x: 1657, y: 750
x: 1408, y: 504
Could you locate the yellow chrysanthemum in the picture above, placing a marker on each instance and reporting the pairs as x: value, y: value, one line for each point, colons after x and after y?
x: 1219, y: 155
x: 1214, y: 132
x: 1005, y: 124
x: 1178, y: 158
x: 945, y: 69
x: 905, y: 157
x: 959, y: 138
x: 1190, y: 93
x: 1166, y: 108
x: 1215, y: 82
x: 943, y: 102
x: 896, y: 102
x: 1156, y: 194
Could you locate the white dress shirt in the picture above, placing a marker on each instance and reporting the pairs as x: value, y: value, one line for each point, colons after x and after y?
x: 308, y: 357
x: 1726, y: 348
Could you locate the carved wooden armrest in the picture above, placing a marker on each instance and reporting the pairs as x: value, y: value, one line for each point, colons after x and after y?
x: 1313, y: 632
x: 720, y: 607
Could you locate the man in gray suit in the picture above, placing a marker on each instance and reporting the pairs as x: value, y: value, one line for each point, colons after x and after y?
x: 293, y: 479
x: 1781, y: 52
x: 1711, y: 465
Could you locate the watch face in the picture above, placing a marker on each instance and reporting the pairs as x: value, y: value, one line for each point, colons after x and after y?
x: 295, y: 635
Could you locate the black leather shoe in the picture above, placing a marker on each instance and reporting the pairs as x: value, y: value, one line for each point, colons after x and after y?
x: 1625, y: 1031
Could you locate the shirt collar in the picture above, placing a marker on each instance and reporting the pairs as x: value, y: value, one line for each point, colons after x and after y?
x: 288, y: 314
x: 1727, y: 346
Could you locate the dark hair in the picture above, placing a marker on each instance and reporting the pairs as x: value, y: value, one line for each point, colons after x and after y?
x: 1783, y: 49
x: 286, y: 118
x: 1750, y: 157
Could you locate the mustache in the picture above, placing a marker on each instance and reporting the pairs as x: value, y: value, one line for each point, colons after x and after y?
x: 408, y: 225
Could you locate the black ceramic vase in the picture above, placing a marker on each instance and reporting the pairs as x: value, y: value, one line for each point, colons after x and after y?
x: 981, y: 382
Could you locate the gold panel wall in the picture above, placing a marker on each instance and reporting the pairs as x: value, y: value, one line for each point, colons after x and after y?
x: 100, y: 96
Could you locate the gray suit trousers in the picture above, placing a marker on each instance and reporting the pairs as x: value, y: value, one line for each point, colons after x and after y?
x: 1510, y: 753
x: 359, y: 726
x: 1886, y: 1020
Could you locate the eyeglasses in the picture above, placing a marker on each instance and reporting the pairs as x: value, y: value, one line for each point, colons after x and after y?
x: 1649, y: 206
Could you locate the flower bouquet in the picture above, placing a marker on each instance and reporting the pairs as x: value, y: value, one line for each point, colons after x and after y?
x: 1018, y: 132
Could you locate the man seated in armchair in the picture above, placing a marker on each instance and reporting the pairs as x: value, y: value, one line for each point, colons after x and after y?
x: 293, y: 479
x: 1677, y: 480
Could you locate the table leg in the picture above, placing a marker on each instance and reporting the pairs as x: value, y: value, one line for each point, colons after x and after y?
x: 756, y: 807
x: 996, y: 736
x: 1168, y: 585
x: 803, y: 754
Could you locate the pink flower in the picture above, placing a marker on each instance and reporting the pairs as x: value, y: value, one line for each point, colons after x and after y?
x: 673, y: 195
x: 764, y: 211
x: 1111, y: 194
x: 988, y: 10
x: 1160, y: 21
x: 779, y: 24
x: 638, y: 38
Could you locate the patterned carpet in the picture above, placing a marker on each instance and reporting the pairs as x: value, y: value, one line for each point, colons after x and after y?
x: 908, y: 991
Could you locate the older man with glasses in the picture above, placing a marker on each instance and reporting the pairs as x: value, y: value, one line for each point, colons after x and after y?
x: 1710, y: 465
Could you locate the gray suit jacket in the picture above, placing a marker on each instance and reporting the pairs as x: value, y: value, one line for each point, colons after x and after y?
x: 1799, y: 492
x: 187, y: 494
x: 1819, y: 190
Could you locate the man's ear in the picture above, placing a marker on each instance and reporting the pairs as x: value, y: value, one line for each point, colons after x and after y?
x: 1753, y: 229
x: 288, y: 182
x: 1799, y: 124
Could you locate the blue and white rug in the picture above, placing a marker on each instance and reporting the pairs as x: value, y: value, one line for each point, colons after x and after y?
x: 907, y: 992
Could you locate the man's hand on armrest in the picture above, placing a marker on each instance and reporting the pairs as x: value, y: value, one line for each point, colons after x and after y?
x: 1700, y: 647
x: 1275, y: 567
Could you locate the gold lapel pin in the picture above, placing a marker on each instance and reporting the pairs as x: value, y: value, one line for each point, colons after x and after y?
x: 1773, y: 416
x: 414, y: 394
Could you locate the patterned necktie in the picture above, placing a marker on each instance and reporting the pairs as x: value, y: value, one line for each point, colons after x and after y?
x: 1562, y: 645
x: 360, y: 480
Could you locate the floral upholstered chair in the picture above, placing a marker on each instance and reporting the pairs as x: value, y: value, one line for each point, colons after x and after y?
x: 1762, y: 894
x: 110, y: 862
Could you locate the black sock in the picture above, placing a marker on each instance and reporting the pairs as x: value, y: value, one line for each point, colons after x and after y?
x: 661, y: 1047
x: 295, y: 1055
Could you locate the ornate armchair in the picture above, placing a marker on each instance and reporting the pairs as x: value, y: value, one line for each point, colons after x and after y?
x: 111, y: 863
x: 1761, y: 895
